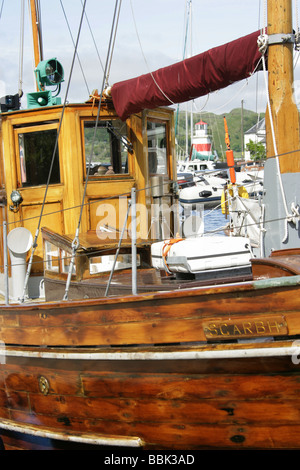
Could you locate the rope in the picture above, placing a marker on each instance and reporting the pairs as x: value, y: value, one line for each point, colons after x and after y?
x: 93, y: 38
x: 187, y: 12
x: 51, y: 166
x: 21, y: 50
x: 80, y: 65
x: 75, y: 242
x: 144, y: 57
x: 167, y: 247
x: 214, y: 231
x: 297, y: 35
x: 113, y: 45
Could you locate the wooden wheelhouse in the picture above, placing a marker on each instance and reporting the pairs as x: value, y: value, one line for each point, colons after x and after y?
x: 138, y: 152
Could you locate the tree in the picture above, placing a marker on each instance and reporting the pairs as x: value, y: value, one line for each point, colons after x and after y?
x: 257, y: 150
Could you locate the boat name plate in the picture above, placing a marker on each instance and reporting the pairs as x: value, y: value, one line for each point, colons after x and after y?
x: 245, y: 328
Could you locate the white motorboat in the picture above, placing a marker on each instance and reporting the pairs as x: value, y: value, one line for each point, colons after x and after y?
x: 208, y: 190
x: 191, y: 166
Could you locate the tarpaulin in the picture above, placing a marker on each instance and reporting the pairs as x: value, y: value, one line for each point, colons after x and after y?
x: 189, y: 79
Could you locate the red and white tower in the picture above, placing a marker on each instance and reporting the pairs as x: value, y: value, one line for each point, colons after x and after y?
x: 201, y: 142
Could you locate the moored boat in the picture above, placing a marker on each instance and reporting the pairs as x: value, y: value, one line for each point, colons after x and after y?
x: 211, y: 363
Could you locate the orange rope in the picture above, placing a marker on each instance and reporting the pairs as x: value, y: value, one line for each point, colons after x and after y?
x: 166, y: 248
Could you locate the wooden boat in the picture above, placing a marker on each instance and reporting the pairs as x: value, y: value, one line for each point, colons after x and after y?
x: 196, y: 365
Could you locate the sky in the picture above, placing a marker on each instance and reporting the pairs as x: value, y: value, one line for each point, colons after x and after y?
x: 150, y: 35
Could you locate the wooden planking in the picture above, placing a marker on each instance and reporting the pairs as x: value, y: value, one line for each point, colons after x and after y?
x: 203, y: 437
x: 218, y: 405
x: 192, y: 387
x: 217, y: 411
x: 144, y: 318
x: 230, y: 411
x: 108, y: 213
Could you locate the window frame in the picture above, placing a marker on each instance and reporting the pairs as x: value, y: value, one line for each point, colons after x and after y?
x: 31, y: 128
x: 166, y: 123
x: 86, y: 157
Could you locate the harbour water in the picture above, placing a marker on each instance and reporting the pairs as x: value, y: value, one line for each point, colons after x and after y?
x: 212, y: 221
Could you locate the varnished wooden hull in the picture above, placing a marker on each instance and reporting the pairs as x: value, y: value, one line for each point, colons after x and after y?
x: 155, y: 371
x: 230, y: 403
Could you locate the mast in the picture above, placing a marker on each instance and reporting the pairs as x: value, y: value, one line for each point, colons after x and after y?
x: 281, y: 176
x: 36, y: 32
x: 281, y: 79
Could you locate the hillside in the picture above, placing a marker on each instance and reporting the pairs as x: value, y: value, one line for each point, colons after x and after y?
x: 216, y: 128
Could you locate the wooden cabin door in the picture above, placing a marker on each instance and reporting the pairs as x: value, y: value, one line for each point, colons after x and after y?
x: 36, y: 151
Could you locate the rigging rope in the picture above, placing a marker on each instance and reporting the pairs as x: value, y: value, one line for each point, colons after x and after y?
x: 297, y: 35
x: 51, y: 166
x: 93, y: 38
x: 144, y: 57
x: 187, y: 12
x: 75, y: 243
x: 117, y: 16
x: 40, y: 28
x: 80, y: 65
x: 20, y: 88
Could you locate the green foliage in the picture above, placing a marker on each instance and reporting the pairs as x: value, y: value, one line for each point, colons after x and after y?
x: 257, y: 150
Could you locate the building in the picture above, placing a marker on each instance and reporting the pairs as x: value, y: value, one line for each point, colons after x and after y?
x: 257, y: 134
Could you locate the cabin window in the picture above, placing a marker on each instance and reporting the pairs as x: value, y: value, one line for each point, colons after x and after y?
x: 157, y: 148
x: 52, y: 255
x: 56, y: 259
x: 36, y: 151
x: 109, y: 148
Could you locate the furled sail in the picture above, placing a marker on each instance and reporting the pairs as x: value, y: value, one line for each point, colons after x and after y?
x: 194, y: 77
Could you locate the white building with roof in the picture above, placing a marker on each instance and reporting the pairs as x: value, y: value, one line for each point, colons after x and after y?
x: 257, y: 134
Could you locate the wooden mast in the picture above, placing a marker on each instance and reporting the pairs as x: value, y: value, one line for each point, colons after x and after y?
x: 37, y: 48
x: 281, y: 79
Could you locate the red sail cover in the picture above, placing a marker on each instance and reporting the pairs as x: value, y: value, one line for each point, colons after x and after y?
x: 189, y: 79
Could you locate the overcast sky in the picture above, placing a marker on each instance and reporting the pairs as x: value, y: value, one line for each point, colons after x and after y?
x: 161, y: 31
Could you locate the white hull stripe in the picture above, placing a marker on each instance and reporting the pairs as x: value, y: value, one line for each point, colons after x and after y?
x: 155, y: 356
x: 120, y: 441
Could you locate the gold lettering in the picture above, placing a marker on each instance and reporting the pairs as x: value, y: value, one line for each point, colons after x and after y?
x: 260, y: 328
x: 236, y: 330
x: 221, y: 329
x: 247, y: 328
x: 275, y: 325
x: 212, y: 330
